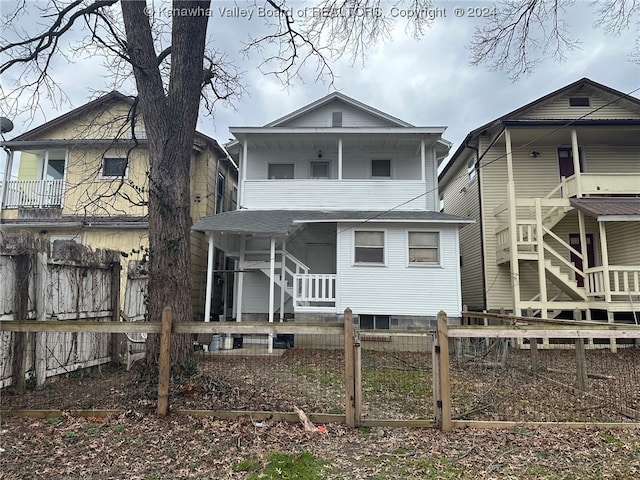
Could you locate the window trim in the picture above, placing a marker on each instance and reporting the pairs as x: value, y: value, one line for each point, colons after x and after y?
x: 472, y: 172
x: 293, y: 172
x: 438, y: 263
x: 219, y: 206
x: 380, y: 177
x: 384, y: 249
x: 111, y: 177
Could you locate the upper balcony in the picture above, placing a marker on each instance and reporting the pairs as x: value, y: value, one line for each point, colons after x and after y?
x: 592, y: 184
x: 33, y: 193
x: 336, y: 194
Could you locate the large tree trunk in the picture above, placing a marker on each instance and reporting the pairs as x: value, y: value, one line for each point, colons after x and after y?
x: 170, y: 122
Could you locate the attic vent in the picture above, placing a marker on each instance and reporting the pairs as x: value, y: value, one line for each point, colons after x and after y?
x: 579, y: 101
x: 336, y: 119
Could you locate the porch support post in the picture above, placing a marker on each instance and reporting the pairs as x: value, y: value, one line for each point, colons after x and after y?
x: 340, y: 159
x: 542, y: 277
x: 513, y: 231
x: 283, y: 277
x: 243, y: 173
x: 240, y: 278
x: 604, y: 255
x: 209, y: 290
x: 272, y: 279
x: 583, y: 248
x: 423, y: 167
x: 575, y: 152
x: 6, y: 178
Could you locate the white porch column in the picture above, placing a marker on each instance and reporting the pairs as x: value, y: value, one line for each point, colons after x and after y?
x: 513, y: 230
x: 283, y: 278
x: 240, y: 278
x: 423, y: 167
x: 340, y: 159
x: 575, y: 153
x: 272, y: 279
x: 209, y: 290
x: 542, y: 278
x: 243, y: 173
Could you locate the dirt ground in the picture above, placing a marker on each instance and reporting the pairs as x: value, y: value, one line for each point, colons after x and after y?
x: 145, y: 447
x: 138, y: 445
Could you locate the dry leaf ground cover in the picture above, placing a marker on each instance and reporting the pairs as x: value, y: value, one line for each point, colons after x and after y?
x: 145, y: 447
x: 396, y: 385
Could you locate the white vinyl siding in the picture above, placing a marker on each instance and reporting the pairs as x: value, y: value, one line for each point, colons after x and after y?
x: 559, y: 108
x: 396, y: 289
x: 351, y: 117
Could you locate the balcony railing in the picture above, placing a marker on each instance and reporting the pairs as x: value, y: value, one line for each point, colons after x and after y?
x: 337, y: 194
x: 602, y: 184
x: 315, y: 292
x: 33, y: 194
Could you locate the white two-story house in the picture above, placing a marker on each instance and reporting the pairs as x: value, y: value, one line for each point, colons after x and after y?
x: 338, y: 207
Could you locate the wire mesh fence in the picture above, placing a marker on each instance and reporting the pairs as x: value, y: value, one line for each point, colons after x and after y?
x: 492, y: 382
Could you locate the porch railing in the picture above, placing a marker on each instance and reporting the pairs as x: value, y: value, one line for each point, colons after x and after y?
x: 33, y: 193
x: 315, y: 292
x: 614, y: 281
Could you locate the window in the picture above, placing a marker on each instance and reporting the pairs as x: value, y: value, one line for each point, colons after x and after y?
x: 374, y: 322
x: 319, y: 169
x: 369, y: 247
x: 423, y: 248
x: 441, y: 203
x: 113, y: 167
x: 280, y: 171
x: 336, y: 119
x: 220, y: 193
x: 234, y: 196
x: 381, y: 168
x: 471, y: 170
x: 578, y: 101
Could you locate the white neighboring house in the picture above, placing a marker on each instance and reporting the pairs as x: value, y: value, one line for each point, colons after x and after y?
x: 338, y: 207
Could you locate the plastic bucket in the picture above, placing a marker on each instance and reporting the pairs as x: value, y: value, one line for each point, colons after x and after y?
x: 215, y: 343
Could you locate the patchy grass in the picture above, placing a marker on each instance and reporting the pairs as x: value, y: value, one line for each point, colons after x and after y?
x: 300, y: 466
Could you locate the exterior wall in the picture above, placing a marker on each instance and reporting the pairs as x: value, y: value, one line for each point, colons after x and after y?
x: 604, y: 159
x: 559, y: 108
x: 461, y: 198
x: 351, y: 117
x: 356, y: 164
x: 396, y: 288
x: 622, y: 240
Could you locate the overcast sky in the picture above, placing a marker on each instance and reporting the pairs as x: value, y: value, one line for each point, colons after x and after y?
x: 426, y: 82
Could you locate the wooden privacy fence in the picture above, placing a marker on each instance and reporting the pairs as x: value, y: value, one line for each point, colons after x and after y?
x: 73, y: 283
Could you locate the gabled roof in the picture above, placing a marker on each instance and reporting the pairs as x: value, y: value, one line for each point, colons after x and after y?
x: 513, y: 117
x: 340, y: 97
x: 98, y: 103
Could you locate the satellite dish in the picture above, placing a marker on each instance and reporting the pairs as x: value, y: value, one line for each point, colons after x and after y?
x: 6, y: 125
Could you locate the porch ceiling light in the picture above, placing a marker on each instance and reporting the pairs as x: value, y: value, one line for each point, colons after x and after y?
x: 534, y: 154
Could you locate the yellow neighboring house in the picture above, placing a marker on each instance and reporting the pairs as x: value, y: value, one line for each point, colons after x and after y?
x: 554, y: 187
x: 83, y: 177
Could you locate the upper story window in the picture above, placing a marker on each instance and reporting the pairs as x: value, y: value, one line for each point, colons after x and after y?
x: 441, y: 202
x: 280, y: 171
x: 114, y: 167
x: 319, y: 170
x: 369, y: 247
x: 472, y: 172
x: 424, y: 248
x: 579, y: 102
x: 381, y: 168
x: 220, y: 186
x: 336, y: 119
